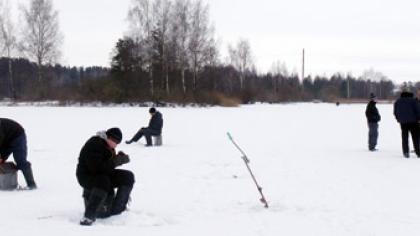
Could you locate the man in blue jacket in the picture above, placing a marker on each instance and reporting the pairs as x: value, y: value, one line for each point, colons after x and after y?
x: 154, y: 128
x: 407, y: 113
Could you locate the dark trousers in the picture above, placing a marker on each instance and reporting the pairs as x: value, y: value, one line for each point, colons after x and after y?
x: 20, y: 152
x: 413, y: 129
x: 147, y: 132
x: 373, y: 135
x: 98, y: 193
x: 107, y: 183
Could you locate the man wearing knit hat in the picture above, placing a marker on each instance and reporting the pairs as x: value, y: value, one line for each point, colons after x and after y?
x: 154, y: 128
x: 373, y: 117
x: 97, y: 174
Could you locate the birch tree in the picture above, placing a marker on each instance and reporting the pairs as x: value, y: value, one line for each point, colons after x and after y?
x: 8, y: 40
x: 141, y: 20
x: 41, y: 36
x: 279, y: 71
x: 161, y: 12
x: 200, y: 36
x: 241, y: 58
x: 180, y: 32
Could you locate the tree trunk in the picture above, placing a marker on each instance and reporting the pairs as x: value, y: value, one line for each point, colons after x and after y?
x: 39, y: 69
x: 12, y: 86
x: 195, y: 73
x: 167, y: 81
x: 241, y: 81
x: 151, y: 81
x: 184, y: 88
x: 39, y: 75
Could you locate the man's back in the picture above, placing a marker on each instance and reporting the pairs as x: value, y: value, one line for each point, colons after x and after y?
x: 406, y: 109
x: 9, y: 130
x: 156, y: 122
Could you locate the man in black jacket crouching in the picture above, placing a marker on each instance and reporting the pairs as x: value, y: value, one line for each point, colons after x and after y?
x: 97, y: 174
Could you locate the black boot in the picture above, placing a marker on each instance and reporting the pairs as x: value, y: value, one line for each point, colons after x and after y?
x: 105, y: 210
x: 121, y: 199
x: 85, y: 195
x: 96, y: 200
x: 29, y: 177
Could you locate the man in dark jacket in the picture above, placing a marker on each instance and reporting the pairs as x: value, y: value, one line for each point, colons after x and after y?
x: 373, y: 117
x: 13, y: 140
x: 154, y: 128
x: 97, y: 174
x: 407, y: 114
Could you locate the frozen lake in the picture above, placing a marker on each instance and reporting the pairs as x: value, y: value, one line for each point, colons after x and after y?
x: 311, y: 160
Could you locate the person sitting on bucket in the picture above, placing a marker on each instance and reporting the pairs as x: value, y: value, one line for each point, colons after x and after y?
x: 13, y: 140
x: 154, y: 128
x: 97, y: 174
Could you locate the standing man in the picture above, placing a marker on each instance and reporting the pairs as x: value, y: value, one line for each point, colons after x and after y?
x: 97, y: 174
x: 373, y: 117
x: 154, y: 128
x: 13, y: 140
x: 407, y: 113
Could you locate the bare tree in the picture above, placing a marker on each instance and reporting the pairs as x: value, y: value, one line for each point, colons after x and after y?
x: 376, y: 77
x: 211, y: 51
x: 161, y: 11
x: 200, y: 36
x: 279, y: 70
x: 180, y: 32
x: 241, y: 58
x: 140, y: 17
x: 7, y: 34
x: 41, y: 37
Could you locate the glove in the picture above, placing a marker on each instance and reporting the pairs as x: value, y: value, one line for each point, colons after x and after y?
x: 120, y: 159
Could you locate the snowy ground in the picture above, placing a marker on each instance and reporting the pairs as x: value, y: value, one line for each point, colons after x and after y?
x: 311, y: 160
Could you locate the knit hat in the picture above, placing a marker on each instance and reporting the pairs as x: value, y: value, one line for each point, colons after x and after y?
x: 372, y: 96
x: 114, y: 134
x: 152, y: 110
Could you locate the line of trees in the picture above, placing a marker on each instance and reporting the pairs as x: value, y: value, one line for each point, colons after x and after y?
x: 170, y: 54
x: 219, y: 85
x: 39, y: 38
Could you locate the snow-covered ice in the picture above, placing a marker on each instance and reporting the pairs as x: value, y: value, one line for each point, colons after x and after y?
x: 311, y: 160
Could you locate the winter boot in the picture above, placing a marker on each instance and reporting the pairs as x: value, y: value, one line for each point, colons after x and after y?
x: 105, y: 210
x: 86, y: 221
x: 85, y: 195
x: 121, y: 199
x: 129, y: 141
x: 148, y: 141
x: 96, y: 200
x: 29, y: 177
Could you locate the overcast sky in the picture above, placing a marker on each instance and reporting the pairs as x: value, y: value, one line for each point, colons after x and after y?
x: 338, y: 36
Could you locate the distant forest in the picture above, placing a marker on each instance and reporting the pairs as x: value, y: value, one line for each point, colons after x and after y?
x: 169, y: 55
x: 215, y: 85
